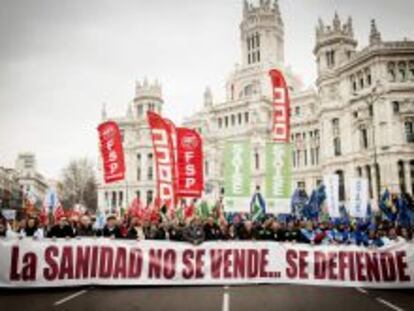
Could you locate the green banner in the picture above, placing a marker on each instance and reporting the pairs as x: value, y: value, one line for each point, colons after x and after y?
x: 237, y: 176
x: 278, y: 182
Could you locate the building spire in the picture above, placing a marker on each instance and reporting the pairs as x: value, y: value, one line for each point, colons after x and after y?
x: 375, y: 35
x: 208, y: 97
x: 336, y: 22
x: 245, y: 8
x: 103, y: 112
x: 276, y: 7
x: 350, y: 28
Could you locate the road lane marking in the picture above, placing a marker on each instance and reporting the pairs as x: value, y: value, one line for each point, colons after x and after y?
x: 226, y: 299
x: 63, y: 300
x: 389, y: 304
x: 361, y: 290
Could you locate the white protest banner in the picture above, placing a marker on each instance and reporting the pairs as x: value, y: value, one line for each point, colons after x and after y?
x: 359, y: 197
x: 9, y: 214
x: 331, y: 183
x: 101, y: 261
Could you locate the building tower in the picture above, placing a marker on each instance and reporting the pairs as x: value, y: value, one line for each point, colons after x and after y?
x: 148, y: 97
x: 262, y: 34
x: 335, y: 44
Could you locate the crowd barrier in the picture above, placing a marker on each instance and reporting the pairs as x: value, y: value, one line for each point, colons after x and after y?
x: 101, y: 261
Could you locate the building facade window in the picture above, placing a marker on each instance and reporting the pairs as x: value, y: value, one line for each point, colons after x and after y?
x: 150, y: 195
x: 409, y: 131
x: 364, y: 138
x: 391, y: 72
x: 337, y: 146
x: 369, y: 177
x: 256, y: 160
x: 401, y: 176
x: 139, y: 167
x: 336, y: 135
x: 113, y: 203
x: 220, y: 123
x: 150, y: 172
x: 341, y: 182
x: 120, y: 198
x: 412, y: 175
x: 246, y: 117
x: 395, y: 107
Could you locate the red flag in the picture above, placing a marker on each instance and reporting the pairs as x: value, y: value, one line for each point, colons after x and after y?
x: 59, y: 212
x: 281, y: 107
x: 43, y: 215
x: 136, y: 209
x: 112, y: 151
x: 189, y: 163
x: 164, y: 158
x: 189, y: 210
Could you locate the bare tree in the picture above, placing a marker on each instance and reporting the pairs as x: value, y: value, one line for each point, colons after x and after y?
x: 79, y: 184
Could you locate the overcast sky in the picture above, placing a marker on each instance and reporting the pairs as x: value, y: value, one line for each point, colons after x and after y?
x: 60, y: 59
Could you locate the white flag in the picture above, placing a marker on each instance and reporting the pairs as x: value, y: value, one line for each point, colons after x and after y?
x: 359, y: 197
x: 331, y: 183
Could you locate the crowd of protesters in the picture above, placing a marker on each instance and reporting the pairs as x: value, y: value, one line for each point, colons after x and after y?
x: 374, y: 232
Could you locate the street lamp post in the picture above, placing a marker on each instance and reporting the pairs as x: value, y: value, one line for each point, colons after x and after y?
x: 371, y: 98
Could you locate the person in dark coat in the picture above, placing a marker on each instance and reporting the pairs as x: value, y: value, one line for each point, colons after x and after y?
x: 61, y: 230
x: 194, y: 232
x: 292, y: 233
x: 84, y: 227
x: 175, y: 231
x: 248, y: 231
x: 111, y: 228
x: 211, y: 230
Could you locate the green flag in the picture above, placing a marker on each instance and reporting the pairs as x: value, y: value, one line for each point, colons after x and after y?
x: 278, y: 181
x: 203, y: 210
x: 237, y: 173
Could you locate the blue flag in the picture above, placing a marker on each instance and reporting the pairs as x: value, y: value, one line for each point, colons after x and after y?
x: 405, y: 216
x: 298, y: 202
x: 385, y: 206
x: 313, y: 208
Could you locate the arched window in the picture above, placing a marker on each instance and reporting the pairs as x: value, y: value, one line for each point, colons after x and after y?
x: 150, y: 195
x: 113, y: 203
x: 120, y: 198
x: 150, y: 173
x: 402, y: 71
x: 359, y: 171
x: 139, y: 167
x: 412, y: 175
x: 391, y: 72
x: 401, y: 175
x: 341, y: 182
x: 256, y: 160
x: 369, y: 177
x: 411, y: 70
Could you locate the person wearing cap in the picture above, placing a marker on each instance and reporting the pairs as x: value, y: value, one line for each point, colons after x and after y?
x: 111, y: 228
x: 61, y: 230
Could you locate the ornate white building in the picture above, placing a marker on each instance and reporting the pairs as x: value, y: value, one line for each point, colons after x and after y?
x: 357, y: 121
x: 139, y: 160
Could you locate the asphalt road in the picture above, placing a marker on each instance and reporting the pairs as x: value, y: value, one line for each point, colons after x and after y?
x: 222, y: 298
